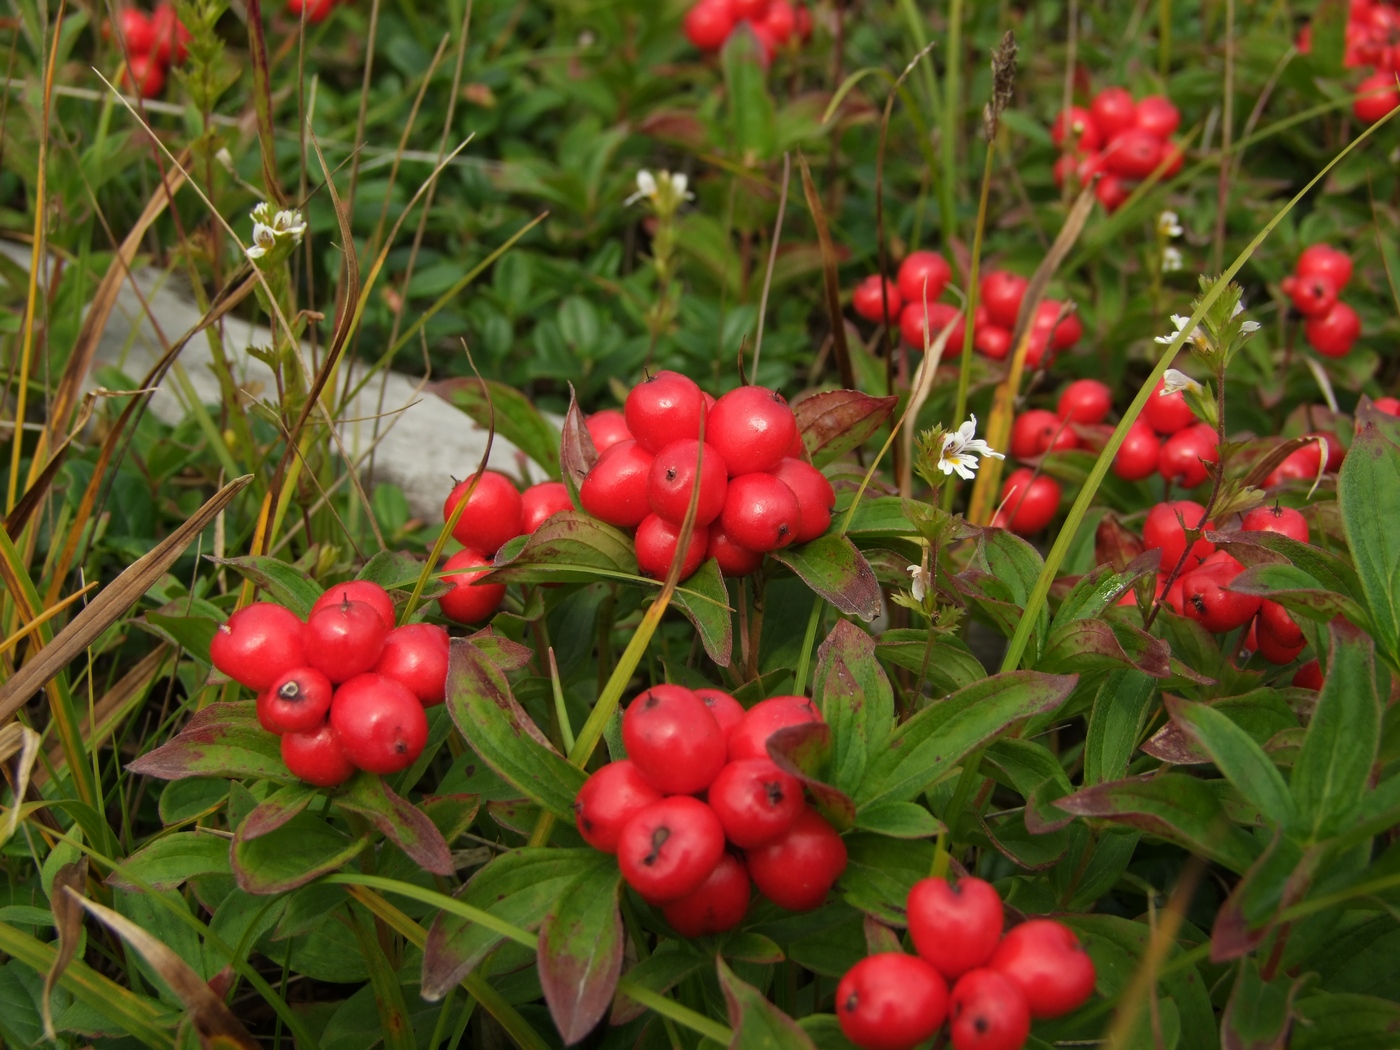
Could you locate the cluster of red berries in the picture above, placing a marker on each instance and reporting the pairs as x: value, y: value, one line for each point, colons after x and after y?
x: 1319, y: 277
x: 345, y: 689
x: 757, y: 492
x: 671, y: 845
x: 1000, y: 982
x: 1167, y: 439
x: 921, y: 279
x: 1119, y: 140
x: 775, y: 23
x: 153, y: 44
x: 1372, y: 39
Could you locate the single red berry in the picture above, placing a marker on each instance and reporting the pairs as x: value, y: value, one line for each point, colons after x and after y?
x: 988, y: 1012
x: 615, y: 490
x: 761, y: 513
x: 955, y: 925
x: 656, y: 543
x: 754, y: 10
x: 707, y: 25
x: 1138, y: 455
x: 171, y: 36
x: 1046, y: 959
x: 717, y: 905
x: 1284, y: 520
x: 136, y: 31
x: 1377, y: 97
x: 752, y: 427
x: 728, y: 712
x: 610, y: 798
x: 1085, y: 401
x: 732, y: 559
x: 259, y: 644
x: 1113, y: 110
x: 891, y: 1001
x: 939, y: 316
x: 469, y: 601
x: 344, y: 640
x: 541, y: 502
x: 923, y: 276
x: 1112, y: 192
x: 379, y: 723
x: 1157, y: 116
x: 668, y: 850
x: 1336, y: 451
x: 672, y: 737
x: 1309, y: 676
x: 1065, y: 170
x: 1002, y: 292
x: 1333, y: 333
x: 869, y: 302
x: 373, y: 595
x: 1165, y: 530
x: 492, y: 516
x: 1322, y: 260
x: 1167, y: 413
x: 1037, y: 431
x: 317, y: 11
x: 1389, y: 405
x: 802, y: 23
x: 755, y: 801
x: 1173, y: 157
x: 992, y: 341
x: 1133, y: 154
x: 1207, y: 599
x: 672, y: 477
x: 1305, y: 463
x: 1184, y: 455
x: 415, y: 655
x: 797, y: 870
x: 1075, y: 129
x: 607, y: 427
x: 1029, y: 500
x: 664, y: 408
x: 296, y: 703
x: 146, y: 75
x: 1172, y: 599
x: 780, y: 22
x: 815, y: 496
x: 1279, y: 639
x: 316, y: 757
x: 749, y: 739
x: 1312, y: 295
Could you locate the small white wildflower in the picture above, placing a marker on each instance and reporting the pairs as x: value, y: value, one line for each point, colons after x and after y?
x: 1168, y: 225
x: 921, y: 582
x: 286, y: 227
x: 646, y: 187
x: 1172, y: 260
x: 1181, y: 323
x: 1174, y: 381
x: 662, y: 188
x: 961, y: 449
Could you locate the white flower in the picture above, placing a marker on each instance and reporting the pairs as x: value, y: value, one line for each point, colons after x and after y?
x: 674, y: 188
x: 920, y: 583
x: 286, y: 227
x: 646, y: 187
x: 1181, y: 323
x: 960, y: 451
x: 1171, y: 259
x: 1174, y: 381
x: 1247, y: 327
x: 1167, y: 225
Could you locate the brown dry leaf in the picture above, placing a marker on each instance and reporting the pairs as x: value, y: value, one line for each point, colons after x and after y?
x: 22, y: 744
x: 68, y: 886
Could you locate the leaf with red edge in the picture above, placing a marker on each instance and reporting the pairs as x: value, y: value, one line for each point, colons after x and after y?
x: 836, y: 421
x: 855, y: 698
x: 501, y: 651
x: 833, y: 567
x: 1279, y: 879
x: 274, y: 811
x: 577, y: 453
x: 300, y: 851
x: 1115, y: 544
x: 223, y: 740
x: 757, y: 1023
x: 580, y: 953
x: 370, y: 797
x: 570, y: 547
x: 804, y: 751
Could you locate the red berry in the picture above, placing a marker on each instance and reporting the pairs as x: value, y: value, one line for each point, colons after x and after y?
x: 1313, y: 295
x: 379, y: 723
x: 1309, y: 676
x: 415, y: 655
x: 1172, y: 159
x: 1284, y: 520
x: 780, y: 22
x: 1112, y: 192
x: 295, y: 703
x: 992, y: 341
x: 1333, y: 333
x: 717, y: 905
x: 316, y: 757
x: 749, y: 739
x: 1322, y: 260
x: 1065, y: 169
x: 1157, y: 116
x: 1207, y: 599
x: 672, y: 737
x: 259, y: 644
x: 939, y: 316
x: 755, y: 801
x: 344, y: 640
x: 1076, y: 126
x: 1137, y: 456
x: 1278, y: 624
x: 707, y: 25
x: 1133, y: 154
x: 668, y: 850
x: 171, y: 36
x: 615, y: 490
x: 1113, y: 111
x: 891, y: 1001
x: 1046, y: 959
x: 1389, y: 405
x: 317, y: 11
x: 752, y: 427
x: 146, y: 75
x: 136, y: 31
x: 1336, y: 453
x: 955, y: 925
x: 815, y: 496
x: 1037, y: 431
x: 1062, y: 332
x: 1165, y: 530
x: 732, y: 559
x: 1185, y: 454
x: 493, y: 514
x: 797, y: 870
x: 541, y: 502
x: 610, y: 798
x: 761, y: 513
x: 728, y: 712
x: 1167, y: 413
x: 1029, y: 501
x: 754, y: 10
x: 607, y: 427
x: 1276, y: 652
x: 672, y: 477
x: 371, y: 594
x: 989, y: 1012
x: 1378, y: 96
x: 469, y: 601
x: 1002, y: 292
x: 656, y: 543
x: 664, y: 408
x: 923, y: 276
x: 1085, y: 401
x: 869, y: 302
x: 802, y: 23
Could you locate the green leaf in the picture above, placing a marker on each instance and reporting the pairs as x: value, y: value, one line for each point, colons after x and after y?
x: 1256, y: 548
x: 876, y: 517
x: 169, y: 861
x: 855, y: 698
x: 1034, y: 852
x: 303, y: 849
x: 516, y: 418
x: 570, y: 547
x: 1331, y: 771
x: 580, y: 953
x: 1298, y: 592
x: 1085, y: 646
x: 1238, y: 757
x: 498, y: 729
x: 833, y: 567
x: 392, y: 570
x: 705, y: 603
x: 671, y: 963
x: 805, y: 752
x: 577, y: 453
x: 757, y: 1023
x: 949, y: 665
x: 825, y: 1032
x: 899, y: 820
x: 1368, y: 493
x: 191, y: 633
x: 836, y: 421
x: 275, y: 810
x: 394, y: 1025
x: 752, y: 122
x: 284, y: 582
x: 368, y: 795
x: 1094, y: 593
x: 186, y: 800
x: 223, y: 740
x: 935, y: 740
x: 1345, y: 1022
x: 880, y: 872
x: 1119, y: 716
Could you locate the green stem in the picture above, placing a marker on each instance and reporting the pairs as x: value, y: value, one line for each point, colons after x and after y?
x: 951, y: 102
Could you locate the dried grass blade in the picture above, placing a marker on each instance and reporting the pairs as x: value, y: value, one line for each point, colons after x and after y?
x: 830, y: 278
